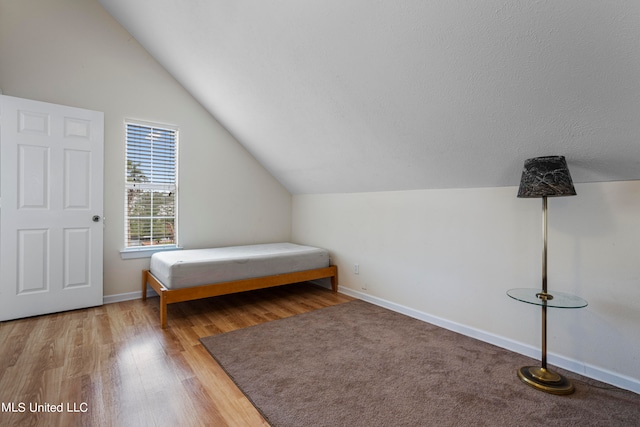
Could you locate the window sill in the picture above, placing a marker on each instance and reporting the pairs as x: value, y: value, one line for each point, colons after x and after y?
x: 146, y: 252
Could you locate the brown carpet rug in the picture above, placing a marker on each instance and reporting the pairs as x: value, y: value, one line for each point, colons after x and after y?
x: 357, y: 364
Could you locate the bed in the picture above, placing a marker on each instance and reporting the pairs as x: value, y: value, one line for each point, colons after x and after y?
x: 187, y: 275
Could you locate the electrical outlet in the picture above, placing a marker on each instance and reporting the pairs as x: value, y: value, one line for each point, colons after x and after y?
x: 356, y: 269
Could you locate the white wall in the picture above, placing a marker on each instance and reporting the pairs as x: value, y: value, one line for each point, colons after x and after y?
x: 72, y: 52
x: 451, y: 255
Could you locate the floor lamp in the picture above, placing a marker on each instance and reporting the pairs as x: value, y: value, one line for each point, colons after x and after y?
x: 544, y: 177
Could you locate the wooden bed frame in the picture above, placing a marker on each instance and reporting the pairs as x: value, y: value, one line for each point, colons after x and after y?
x: 168, y: 296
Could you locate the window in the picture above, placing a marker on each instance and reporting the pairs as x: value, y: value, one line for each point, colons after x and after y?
x: 151, y: 186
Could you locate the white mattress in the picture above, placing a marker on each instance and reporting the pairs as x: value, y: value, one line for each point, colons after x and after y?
x: 194, y: 267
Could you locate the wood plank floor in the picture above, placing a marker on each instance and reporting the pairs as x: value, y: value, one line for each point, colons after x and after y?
x: 113, y: 365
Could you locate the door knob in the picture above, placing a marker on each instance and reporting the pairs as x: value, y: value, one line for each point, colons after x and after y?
x: 96, y: 218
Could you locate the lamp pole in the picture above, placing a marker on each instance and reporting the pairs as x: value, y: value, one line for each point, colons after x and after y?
x: 544, y: 296
x: 542, y: 378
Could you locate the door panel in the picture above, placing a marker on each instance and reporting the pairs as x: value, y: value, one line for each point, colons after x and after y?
x: 51, y: 184
x: 33, y: 177
x: 77, y: 267
x: 33, y: 265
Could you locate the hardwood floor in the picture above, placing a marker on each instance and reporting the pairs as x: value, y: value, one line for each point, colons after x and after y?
x: 114, y: 366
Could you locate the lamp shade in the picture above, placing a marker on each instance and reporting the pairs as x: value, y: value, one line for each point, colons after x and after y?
x: 546, y: 177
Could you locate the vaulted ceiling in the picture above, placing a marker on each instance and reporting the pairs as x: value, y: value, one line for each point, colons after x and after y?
x: 368, y: 95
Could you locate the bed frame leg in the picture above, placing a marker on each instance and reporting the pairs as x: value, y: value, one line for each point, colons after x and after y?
x: 163, y: 311
x: 144, y: 285
x: 334, y: 281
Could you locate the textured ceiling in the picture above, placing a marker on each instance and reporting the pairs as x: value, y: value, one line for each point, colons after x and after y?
x: 360, y: 95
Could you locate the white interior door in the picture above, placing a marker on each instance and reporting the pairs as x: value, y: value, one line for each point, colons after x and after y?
x: 51, y: 228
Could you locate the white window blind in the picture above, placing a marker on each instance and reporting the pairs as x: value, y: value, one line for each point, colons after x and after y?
x: 151, y: 187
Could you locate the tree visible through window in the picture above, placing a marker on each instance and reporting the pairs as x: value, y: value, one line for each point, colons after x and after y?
x: 150, y: 212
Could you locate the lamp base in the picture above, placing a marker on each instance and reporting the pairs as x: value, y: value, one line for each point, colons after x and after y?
x: 545, y: 380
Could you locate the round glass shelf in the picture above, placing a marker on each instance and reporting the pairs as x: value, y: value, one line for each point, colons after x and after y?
x: 550, y: 299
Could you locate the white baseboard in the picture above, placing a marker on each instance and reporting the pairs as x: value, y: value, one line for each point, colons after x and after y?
x: 128, y: 296
x: 571, y: 365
